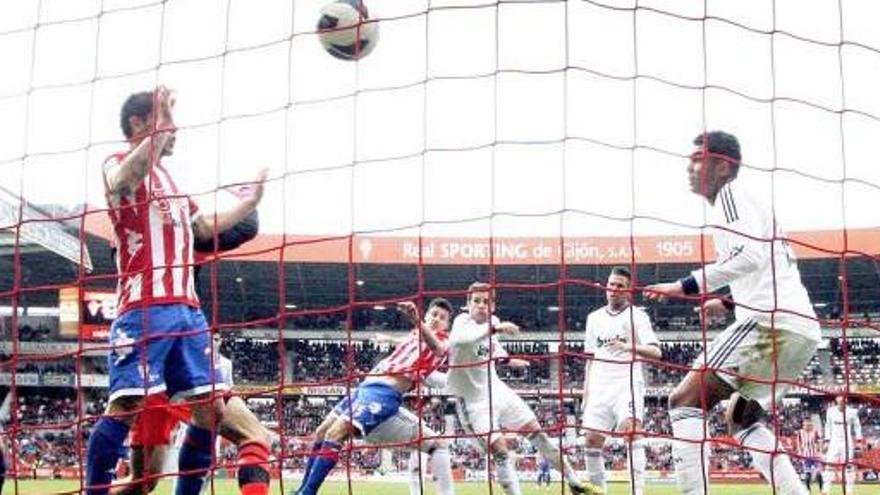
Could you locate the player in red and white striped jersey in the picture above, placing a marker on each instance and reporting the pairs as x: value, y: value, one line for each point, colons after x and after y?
x: 373, y: 411
x: 160, y: 339
x: 809, y: 448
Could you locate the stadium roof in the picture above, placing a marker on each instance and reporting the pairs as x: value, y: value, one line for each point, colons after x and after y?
x: 37, y: 230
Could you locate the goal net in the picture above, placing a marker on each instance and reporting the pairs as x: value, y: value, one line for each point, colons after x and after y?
x: 531, y: 145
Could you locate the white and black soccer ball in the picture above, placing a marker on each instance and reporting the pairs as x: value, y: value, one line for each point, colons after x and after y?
x: 345, y: 30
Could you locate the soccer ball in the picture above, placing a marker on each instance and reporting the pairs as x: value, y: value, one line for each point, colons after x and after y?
x: 344, y: 29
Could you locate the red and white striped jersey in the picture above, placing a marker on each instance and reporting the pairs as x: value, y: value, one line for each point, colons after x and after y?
x: 809, y: 443
x: 412, y: 359
x: 153, y: 227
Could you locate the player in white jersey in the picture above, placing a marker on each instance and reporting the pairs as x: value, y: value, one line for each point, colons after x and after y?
x: 373, y: 411
x: 618, y: 335
x: 809, y: 448
x: 843, y: 432
x: 775, y: 335
x: 484, y: 403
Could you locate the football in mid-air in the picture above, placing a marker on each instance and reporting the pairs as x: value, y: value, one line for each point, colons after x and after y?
x: 346, y: 31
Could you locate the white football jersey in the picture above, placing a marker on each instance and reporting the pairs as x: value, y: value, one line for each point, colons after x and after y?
x: 762, y: 275
x: 470, y: 348
x: 839, y: 432
x: 604, y: 326
x: 223, y: 366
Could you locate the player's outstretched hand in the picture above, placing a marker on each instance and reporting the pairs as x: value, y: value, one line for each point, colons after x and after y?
x: 166, y: 99
x: 507, y: 327
x: 254, y: 193
x: 620, y: 346
x: 663, y: 292
x: 409, y: 309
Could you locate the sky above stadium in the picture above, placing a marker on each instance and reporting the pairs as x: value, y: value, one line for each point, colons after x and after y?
x: 500, y: 129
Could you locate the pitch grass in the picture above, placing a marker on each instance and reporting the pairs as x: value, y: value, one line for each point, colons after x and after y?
x: 229, y: 487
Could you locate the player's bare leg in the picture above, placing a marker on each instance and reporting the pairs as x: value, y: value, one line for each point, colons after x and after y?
x: 243, y: 428
x: 146, y: 466
x: 197, y: 452
x: 240, y: 426
x: 637, y: 461
x: 550, y: 451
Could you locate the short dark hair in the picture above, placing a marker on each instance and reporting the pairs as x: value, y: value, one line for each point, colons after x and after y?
x: 623, y: 272
x: 721, y: 144
x: 439, y: 302
x: 136, y: 105
x: 480, y: 287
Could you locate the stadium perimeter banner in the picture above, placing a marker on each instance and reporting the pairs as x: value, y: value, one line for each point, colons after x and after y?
x: 536, y: 250
x: 521, y: 250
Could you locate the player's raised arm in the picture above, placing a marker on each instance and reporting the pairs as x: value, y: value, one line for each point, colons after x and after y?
x: 204, y: 226
x: 149, y: 137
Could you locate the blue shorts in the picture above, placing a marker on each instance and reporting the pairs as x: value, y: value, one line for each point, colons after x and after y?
x: 369, y: 405
x: 160, y: 360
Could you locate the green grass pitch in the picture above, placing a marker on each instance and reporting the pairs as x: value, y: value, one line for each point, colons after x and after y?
x: 229, y: 487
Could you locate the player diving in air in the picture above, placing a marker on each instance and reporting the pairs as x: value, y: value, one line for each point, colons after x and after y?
x: 373, y: 412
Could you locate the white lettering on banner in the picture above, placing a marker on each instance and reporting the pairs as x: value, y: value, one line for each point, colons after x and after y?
x: 505, y: 251
x: 675, y: 249
x: 411, y: 250
x: 95, y: 381
x: 481, y: 250
x: 55, y: 380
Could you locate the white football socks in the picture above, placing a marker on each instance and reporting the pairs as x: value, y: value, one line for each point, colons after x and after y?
x: 689, y: 455
x: 776, y: 467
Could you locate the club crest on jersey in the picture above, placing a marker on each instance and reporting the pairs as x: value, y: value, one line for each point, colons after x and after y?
x: 483, y: 351
x: 165, y: 203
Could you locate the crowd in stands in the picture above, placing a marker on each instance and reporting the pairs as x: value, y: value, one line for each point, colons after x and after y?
x: 254, y: 361
x: 317, y: 361
x: 47, y: 418
x: 48, y: 435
